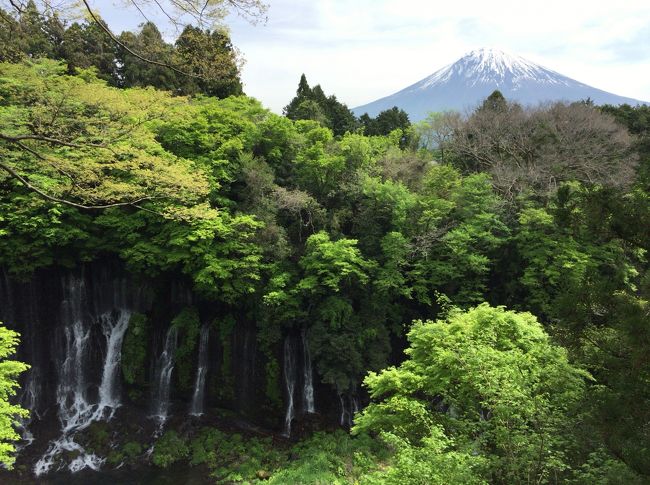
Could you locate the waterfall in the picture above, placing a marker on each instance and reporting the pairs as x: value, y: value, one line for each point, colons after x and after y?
x: 28, y: 400
x: 349, y: 407
x: 196, y: 408
x: 290, y: 384
x: 163, y: 377
x: 308, y: 378
x: 113, y: 330
x: 76, y: 408
x: 345, y: 416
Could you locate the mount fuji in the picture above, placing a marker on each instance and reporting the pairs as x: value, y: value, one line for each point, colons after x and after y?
x: 465, y: 83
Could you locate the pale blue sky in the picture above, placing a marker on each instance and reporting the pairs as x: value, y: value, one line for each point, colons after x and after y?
x: 361, y: 50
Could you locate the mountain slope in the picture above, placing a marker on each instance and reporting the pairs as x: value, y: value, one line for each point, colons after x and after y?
x: 465, y: 83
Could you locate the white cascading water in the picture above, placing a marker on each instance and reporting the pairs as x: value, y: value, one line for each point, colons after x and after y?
x: 76, y: 412
x: 343, y: 420
x: 198, y: 397
x: 28, y: 400
x: 348, y: 409
x: 163, y: 377
x: 290, y: 385
x: 308, y: 378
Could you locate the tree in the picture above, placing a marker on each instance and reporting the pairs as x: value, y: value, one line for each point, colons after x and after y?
x: 495, y: 103
x: 9, y: 413
x: 211, y: 57
x: 73, y: 140
x: 493, y: 382
x: 33, y: 33
x: 85, y: 45
x: 387, y: 121
x: 42, y: 34
x: 437, y: 130
x: 135, y: 72
x: 313, y: 104
x: 539, y: 148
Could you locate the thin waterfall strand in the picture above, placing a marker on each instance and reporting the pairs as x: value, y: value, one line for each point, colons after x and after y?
x: 164, y: 367
x: 308, y: 378
x: 290, y: 385
x: 198, y: 397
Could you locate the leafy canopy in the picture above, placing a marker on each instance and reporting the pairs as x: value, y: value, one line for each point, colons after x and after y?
x: 9, y: 413
x: 493, y: 381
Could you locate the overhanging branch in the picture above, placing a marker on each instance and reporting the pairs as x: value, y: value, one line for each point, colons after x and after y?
x: 30, y: 186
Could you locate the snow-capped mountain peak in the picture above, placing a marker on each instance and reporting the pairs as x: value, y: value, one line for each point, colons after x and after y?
x: 492, y: 66
x: 465, y: 83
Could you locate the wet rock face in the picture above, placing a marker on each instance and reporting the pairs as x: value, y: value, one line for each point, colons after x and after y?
x: 73, y: 325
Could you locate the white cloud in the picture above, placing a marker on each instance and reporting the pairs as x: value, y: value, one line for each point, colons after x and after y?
x: 367, y: 49
x: 361, y: 50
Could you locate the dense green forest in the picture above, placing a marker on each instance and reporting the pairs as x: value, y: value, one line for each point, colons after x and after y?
x: 481, y: 282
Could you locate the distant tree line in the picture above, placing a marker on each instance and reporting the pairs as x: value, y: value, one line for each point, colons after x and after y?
x: 204, y: 61
x: 313, y: 104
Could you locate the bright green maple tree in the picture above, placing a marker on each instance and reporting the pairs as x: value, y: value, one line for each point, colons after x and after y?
x: 487, y: 385
x: 9, y: 413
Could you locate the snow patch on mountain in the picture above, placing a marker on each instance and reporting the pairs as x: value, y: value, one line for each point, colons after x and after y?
x: 468, y: 81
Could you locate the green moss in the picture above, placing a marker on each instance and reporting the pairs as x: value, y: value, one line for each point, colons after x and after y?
x: 169, y: 449
x: 273, y: 387
x: 98, y: 437
x: 115, y: 457
x: 132, y: 449
x: 134, y: 350
x: 225, y: 386
x: 128, y: 454
x: 188, y: 324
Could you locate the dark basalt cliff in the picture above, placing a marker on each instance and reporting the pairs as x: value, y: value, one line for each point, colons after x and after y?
x: 135, y: 354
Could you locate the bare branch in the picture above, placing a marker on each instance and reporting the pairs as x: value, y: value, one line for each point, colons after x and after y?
x: 19, y: 6
x: 54, y: 141
x: 52, y: 198
x: 131, y: 51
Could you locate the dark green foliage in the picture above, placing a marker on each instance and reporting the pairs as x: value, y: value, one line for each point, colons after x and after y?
x: 387, y: 121
x: 495, y: 103
x: 86, y: 45
x: 313, y: 104
x: 232, y: 458
x: 330, y: 458
x: 203, y: 62
x: 169, y: 449
x: 213, y: 61
x: 127, y: 454
x: 148, y: 43
x: 37, y: 35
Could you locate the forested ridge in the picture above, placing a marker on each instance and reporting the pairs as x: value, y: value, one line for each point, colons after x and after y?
x: 469, y: 293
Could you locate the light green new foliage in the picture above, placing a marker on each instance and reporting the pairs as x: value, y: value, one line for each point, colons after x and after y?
x: 74, y: 138
x: 435, y: 462
x: 9, y: 413
x: 493, y: 381
x: 328, y: 265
